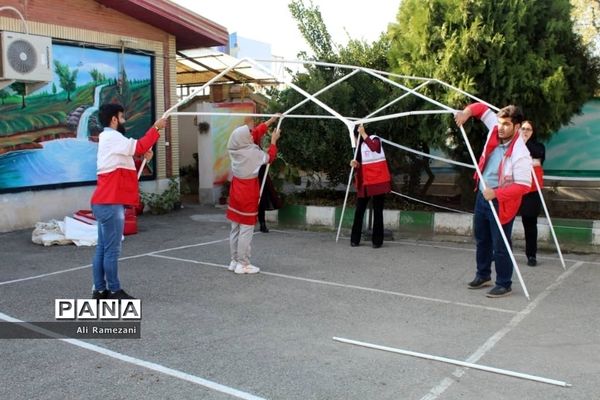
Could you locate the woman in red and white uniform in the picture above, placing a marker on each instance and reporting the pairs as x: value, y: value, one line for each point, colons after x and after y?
x: 372, y: 180
x: 246, y: 159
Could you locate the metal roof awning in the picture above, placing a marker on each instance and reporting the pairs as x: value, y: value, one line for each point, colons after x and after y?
x: 196, y: 67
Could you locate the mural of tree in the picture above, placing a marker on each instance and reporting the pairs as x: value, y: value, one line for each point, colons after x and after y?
x: 21, y: 90
x: 124, y: 90
x: 97, y: 76
x: 67, y: 78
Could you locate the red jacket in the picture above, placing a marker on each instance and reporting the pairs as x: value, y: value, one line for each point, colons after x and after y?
x: 372, y: 176
x: 244, y: 195
x: 514, y: 174
x: 117, y: 175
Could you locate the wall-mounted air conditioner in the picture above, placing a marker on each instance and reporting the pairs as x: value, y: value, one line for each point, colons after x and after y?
x: 25, y: 58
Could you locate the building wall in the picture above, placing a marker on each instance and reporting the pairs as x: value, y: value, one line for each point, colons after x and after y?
x: 86, y: 21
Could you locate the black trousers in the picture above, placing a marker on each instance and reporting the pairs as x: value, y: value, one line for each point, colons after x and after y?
x: 530, y: 209
x: 269, y: 199
x: 359, y: 213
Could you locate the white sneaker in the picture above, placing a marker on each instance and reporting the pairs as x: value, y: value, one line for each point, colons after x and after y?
x: 246, y: 269
x: 232, y: 265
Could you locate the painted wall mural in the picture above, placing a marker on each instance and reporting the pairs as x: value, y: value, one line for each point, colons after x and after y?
x: 221, y: 128
x: 48, y: 138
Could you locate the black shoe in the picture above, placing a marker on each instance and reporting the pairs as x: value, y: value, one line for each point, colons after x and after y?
x: 263, y: 228
x: 353, y: 244
x: 531, y: 261
x: 376, y: 246
x: 100, y: 294
x: 499, y: 291
x: 120, y: 294
x: 478, y: 283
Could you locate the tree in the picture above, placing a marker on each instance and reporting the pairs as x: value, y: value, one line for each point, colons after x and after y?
x: 21, y: 90
x: 506, y: 51
x: 67, y: 78
x: 53, y: 88
x: 323, y: 145
x: 97, y: 76
x: 522, y: 52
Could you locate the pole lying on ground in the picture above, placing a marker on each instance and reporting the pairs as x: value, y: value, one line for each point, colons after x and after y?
x: 455, y: 362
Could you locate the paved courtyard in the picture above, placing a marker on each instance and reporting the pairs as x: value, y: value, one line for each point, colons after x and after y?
x: 207, y: 333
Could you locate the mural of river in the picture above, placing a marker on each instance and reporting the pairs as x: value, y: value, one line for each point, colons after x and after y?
x: 60, y: 161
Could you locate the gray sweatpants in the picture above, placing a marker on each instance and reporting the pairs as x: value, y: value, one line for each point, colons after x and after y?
x: 239, y: 242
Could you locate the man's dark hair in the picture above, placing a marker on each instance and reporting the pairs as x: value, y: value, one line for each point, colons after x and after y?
x: 107, y: 111
x: 513, y: 112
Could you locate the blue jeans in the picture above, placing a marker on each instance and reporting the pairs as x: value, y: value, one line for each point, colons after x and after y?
x: 490, y: 246
x: 111, y: 220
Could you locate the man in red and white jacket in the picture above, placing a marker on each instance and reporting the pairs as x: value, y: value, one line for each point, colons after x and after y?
x: 506, y: 168
x: 117, y: 187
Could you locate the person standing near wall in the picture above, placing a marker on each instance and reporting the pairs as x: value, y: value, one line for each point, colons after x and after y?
x: 117, y: 187
x: 532, y: 204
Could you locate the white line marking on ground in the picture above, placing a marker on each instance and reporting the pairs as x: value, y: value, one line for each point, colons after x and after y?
x: 496, y: 337
x: 147, y: 364
x: 472, y: 250
x: 62, y: 271
x: 367, y: 289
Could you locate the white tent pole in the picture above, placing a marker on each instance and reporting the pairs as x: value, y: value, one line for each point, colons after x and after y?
x: 394, y: 83
x: 539, y: 190
x: 345, y: 120
x: 193, y: 94
x: 467, y: 94
x: 454, y: 362
x: 426, y: 155
x: 141, y: 168
x: 262, y: 185
x: 240, y: 114
x: 504, y: 238
x: 337, y: 237
x: 396, y: 100
x: 403, y: 114
x: 322, y: 90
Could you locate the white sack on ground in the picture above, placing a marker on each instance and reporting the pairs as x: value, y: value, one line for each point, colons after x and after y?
x: 64, y: 232
x: 80, y: 233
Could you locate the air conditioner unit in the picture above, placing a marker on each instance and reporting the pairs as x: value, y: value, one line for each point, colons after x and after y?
x: 25, y: 58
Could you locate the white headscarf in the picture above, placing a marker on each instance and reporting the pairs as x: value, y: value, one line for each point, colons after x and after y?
x: 246, y: 157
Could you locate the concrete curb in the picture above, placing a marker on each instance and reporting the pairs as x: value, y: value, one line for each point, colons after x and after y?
x: 571, y: 232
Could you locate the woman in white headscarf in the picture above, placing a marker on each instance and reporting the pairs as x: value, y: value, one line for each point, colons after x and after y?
x: 246, y: 159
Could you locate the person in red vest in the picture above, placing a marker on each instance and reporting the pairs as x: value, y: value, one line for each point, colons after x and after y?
x: 117, y: 187
x: 246, y: 159
x: 506, y: 168
x: 269, y: 199
x: 532, y: 204
x: 372, y: 180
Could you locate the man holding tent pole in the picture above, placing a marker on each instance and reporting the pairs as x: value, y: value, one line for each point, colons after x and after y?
x: 506, y: 169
